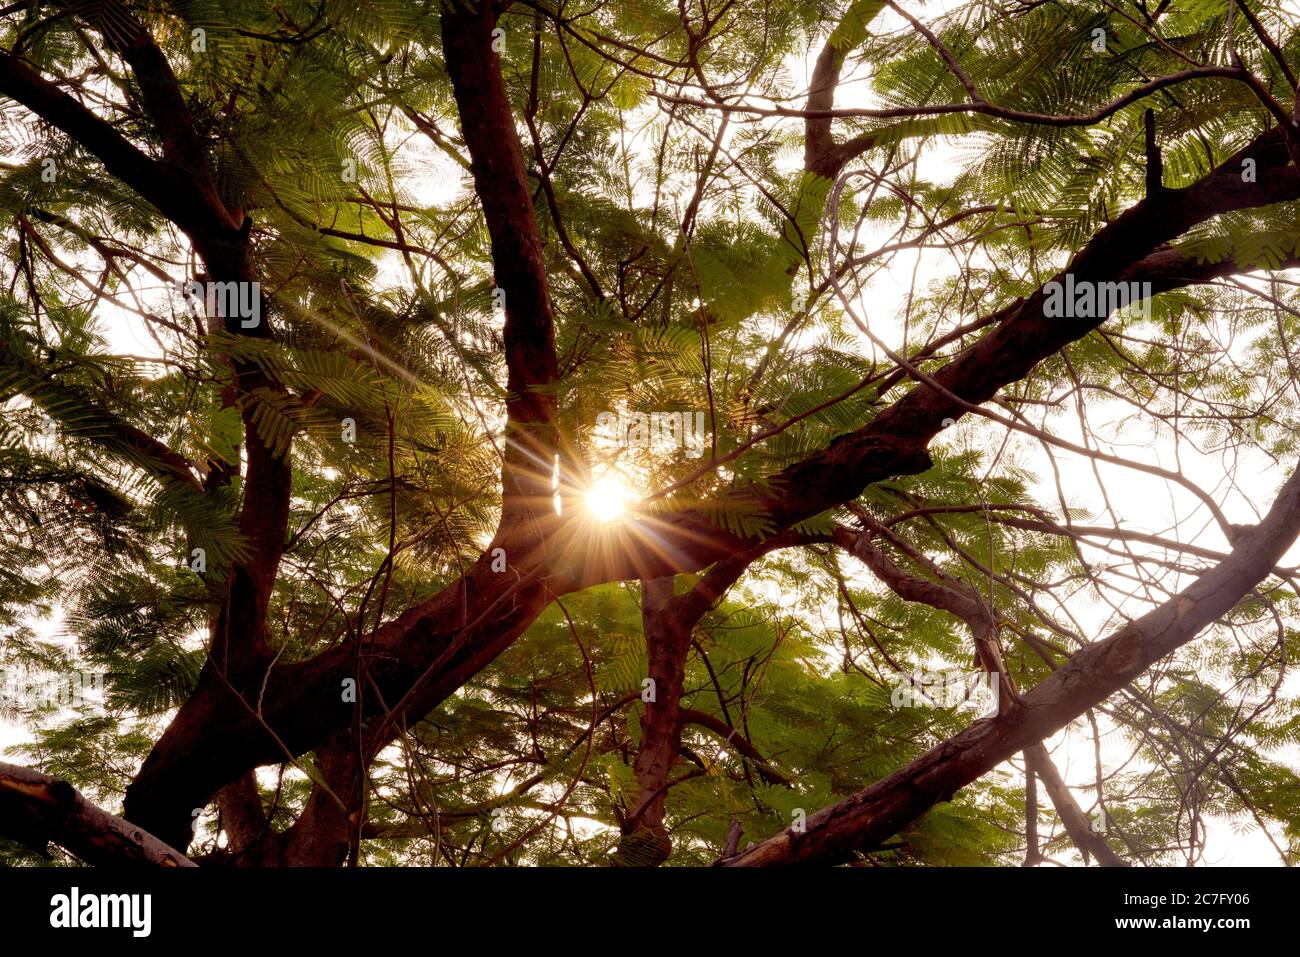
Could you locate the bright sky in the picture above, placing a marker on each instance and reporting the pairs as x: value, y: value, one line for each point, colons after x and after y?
x: 1141, y: 502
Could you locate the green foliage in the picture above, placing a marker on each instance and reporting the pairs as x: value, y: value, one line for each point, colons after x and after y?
x: 685, y: 252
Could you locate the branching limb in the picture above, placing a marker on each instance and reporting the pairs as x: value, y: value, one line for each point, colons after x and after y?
x: 1088, y: 679
x: 37, y: 809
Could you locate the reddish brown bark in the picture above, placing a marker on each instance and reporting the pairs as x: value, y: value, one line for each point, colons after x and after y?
x: 38, y: 809
x: 1088, y: 679
x: 645, y: 842
x: 668, y: 622
x: 433, y: 648
x: 497, y: 164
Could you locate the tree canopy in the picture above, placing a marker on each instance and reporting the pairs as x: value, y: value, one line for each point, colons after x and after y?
x: 639, y: 432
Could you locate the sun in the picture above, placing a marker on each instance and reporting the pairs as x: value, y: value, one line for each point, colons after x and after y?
x: 607, y: 499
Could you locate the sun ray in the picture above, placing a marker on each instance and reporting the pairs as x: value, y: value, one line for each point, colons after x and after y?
x: 607, y: 499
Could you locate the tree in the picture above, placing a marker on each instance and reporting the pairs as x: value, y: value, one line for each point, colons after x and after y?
x: 419, y: 281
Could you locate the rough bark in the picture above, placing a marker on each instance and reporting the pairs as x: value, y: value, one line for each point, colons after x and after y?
x: 440, y: 644
x: 645, y: 841
x: 497, y: 164
x: 240, y: 813
x: 37, y: 809
x: 1086, y: 680
x: 433, y: 648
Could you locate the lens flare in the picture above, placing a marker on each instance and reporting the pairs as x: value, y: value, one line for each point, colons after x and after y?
x: 607, y: 499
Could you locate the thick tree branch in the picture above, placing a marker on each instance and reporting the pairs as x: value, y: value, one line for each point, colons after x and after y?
x: 822, y: 155
x: 37, y: 809
x: 1088, y: 679
x: 441, y: 643
x: 1132, y: 248
x: 170, y: 188
x: 164, y: 103
x: 497, y: 163
x: 668, y: 621
x: 181, y: 187
x: 645, y: 841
